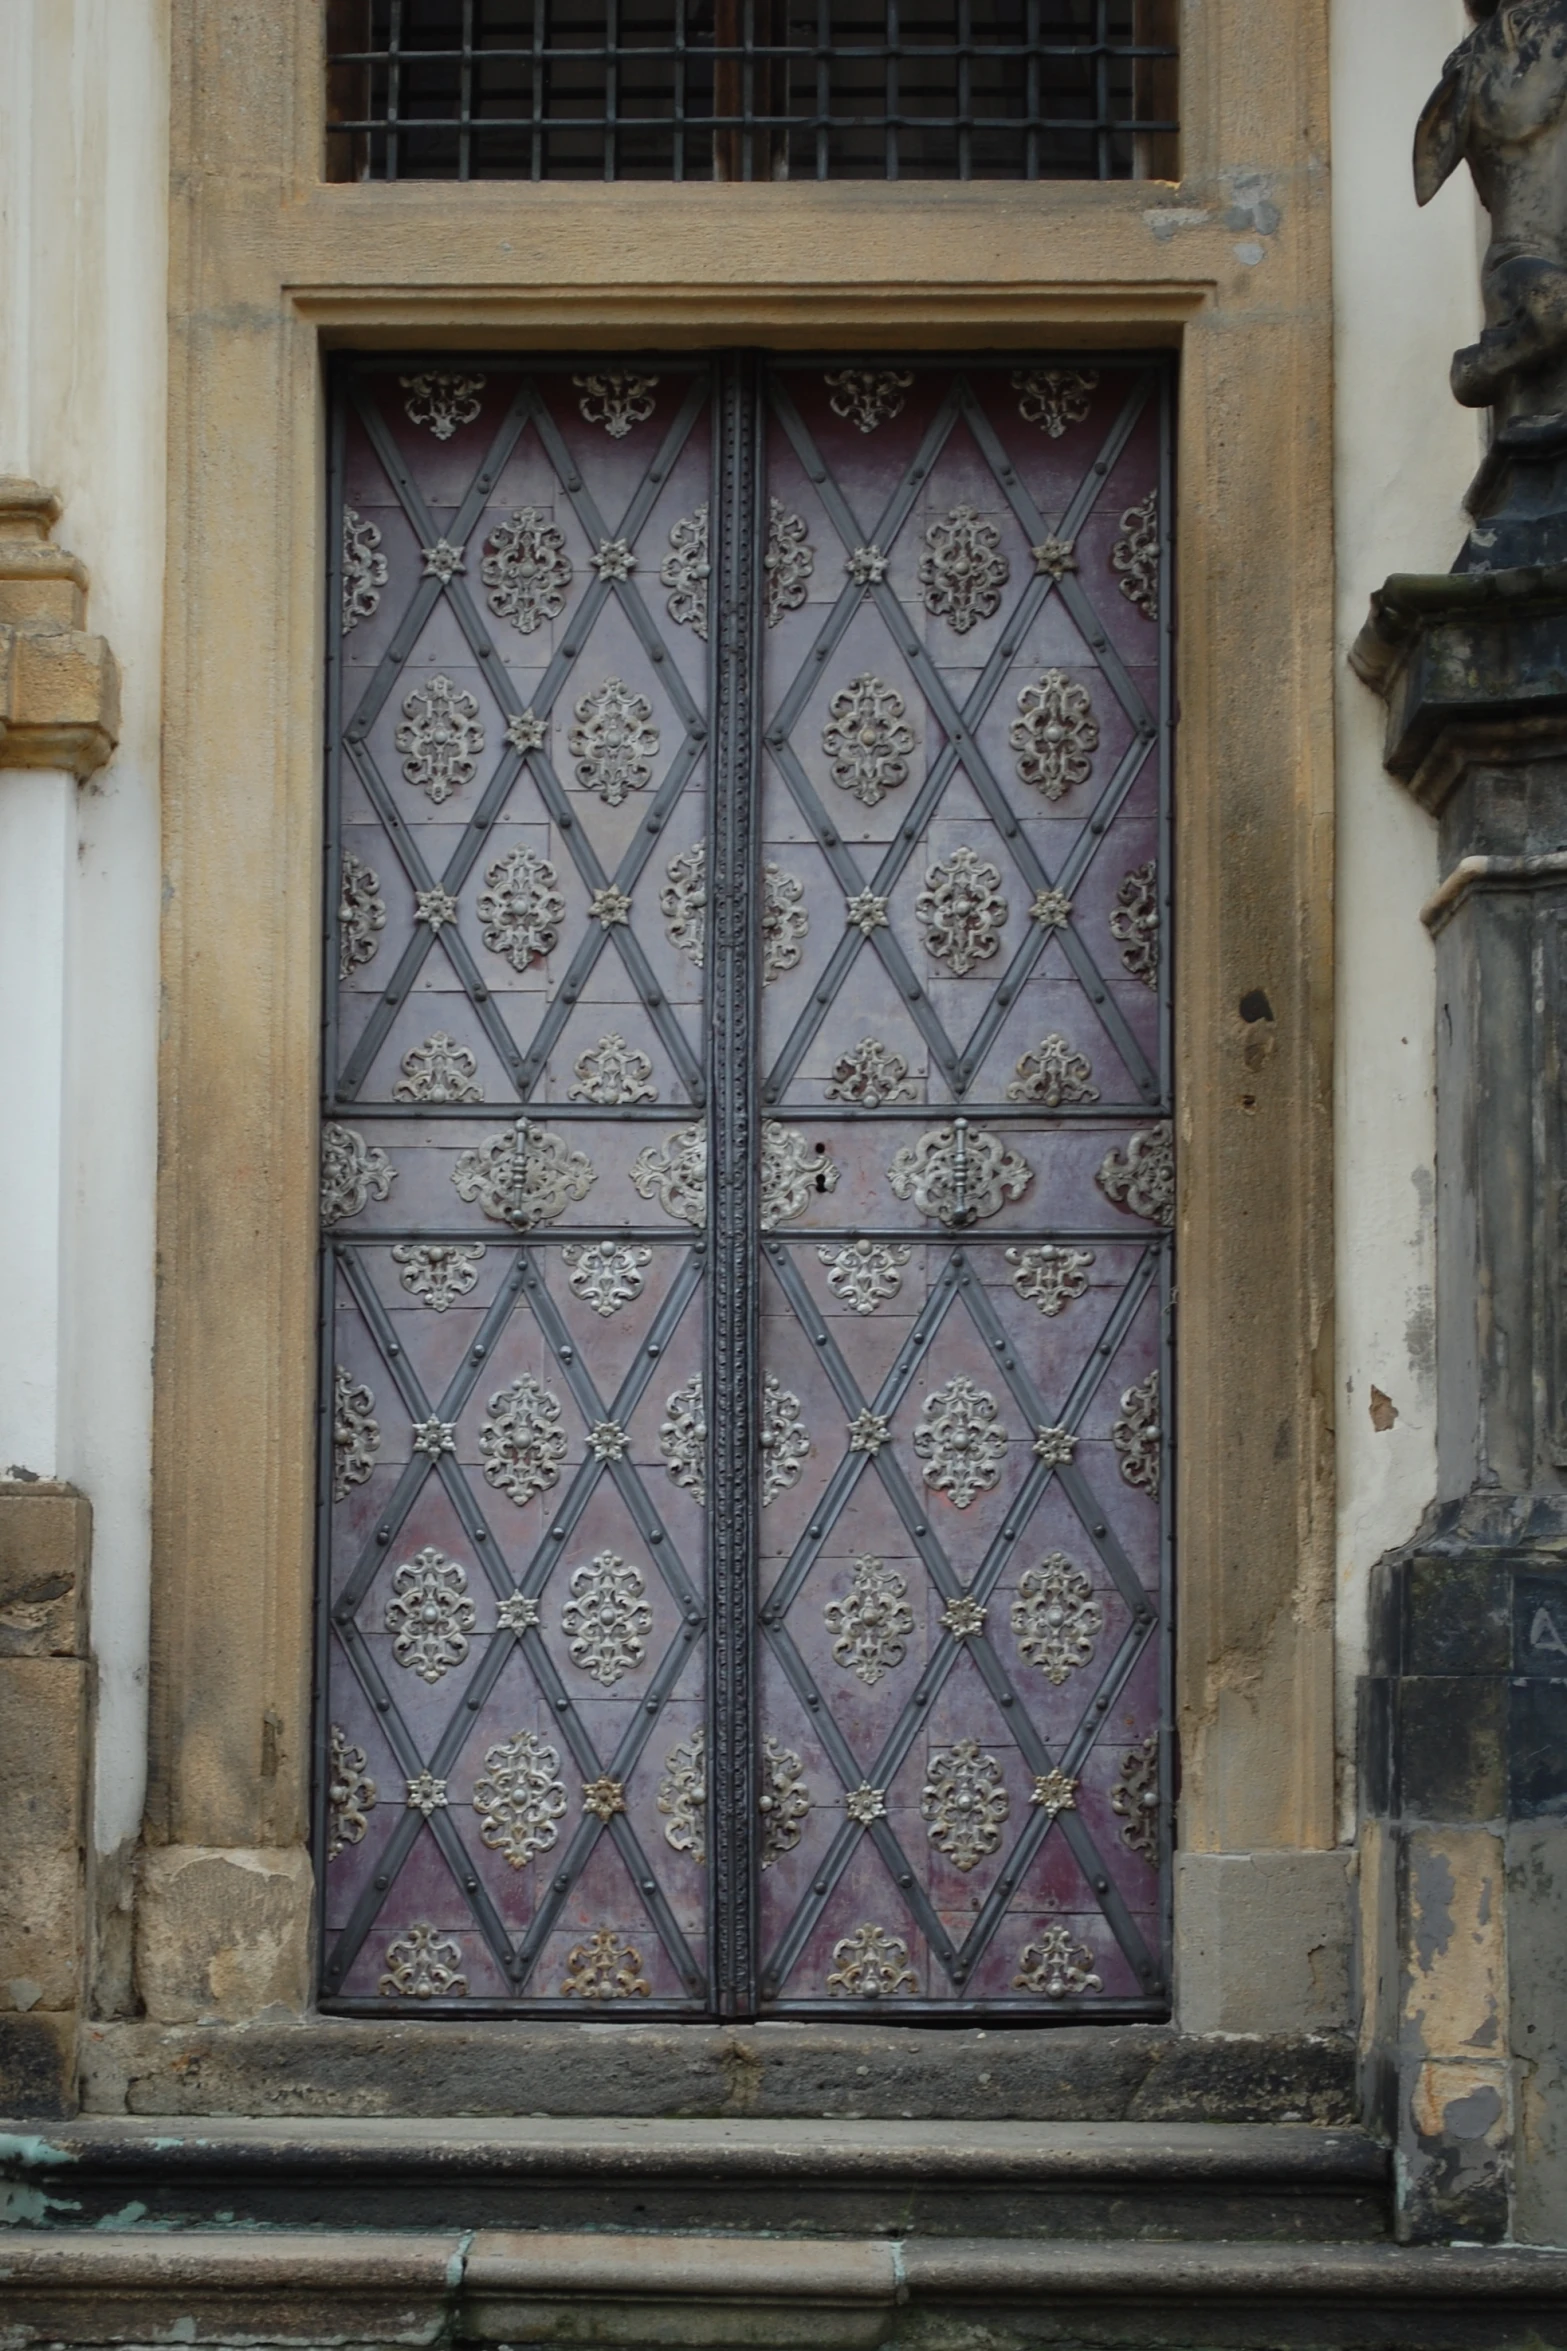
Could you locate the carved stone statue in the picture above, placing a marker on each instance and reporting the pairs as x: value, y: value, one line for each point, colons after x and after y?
x: 1502, y: 109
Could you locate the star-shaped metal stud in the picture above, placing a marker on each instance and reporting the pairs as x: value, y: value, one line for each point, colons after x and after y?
x: 867, y: 565
x: 1054, y: 1792
x: 526, y: 732
x: 607, y: 1440
x: 426, y: 1794
x: 1052, y: 910
x: 517, y: 1614
x: 1055, y: 1446
x: 435, y: 907
x: 609, y: 905
x: 443, y: 561
x: 614, y: 560
x: 435, y: 1437
x: 866, y: 1804
x: 963, y: 1617
x: 1054, y: 558
x: 868, y: 1432
x: 866, y: 912
x: 604, y: 1798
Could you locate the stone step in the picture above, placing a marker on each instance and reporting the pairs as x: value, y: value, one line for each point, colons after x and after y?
x: 826, y: 2178
x: 699, y: 2293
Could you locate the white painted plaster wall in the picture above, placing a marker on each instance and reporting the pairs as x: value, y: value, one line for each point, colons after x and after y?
x: 1406, y: 296
x: 83, y: 278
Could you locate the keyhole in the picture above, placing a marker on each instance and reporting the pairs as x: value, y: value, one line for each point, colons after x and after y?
x: 821, y: 1172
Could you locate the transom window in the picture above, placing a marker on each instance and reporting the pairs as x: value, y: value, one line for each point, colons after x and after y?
x: 752, y: 89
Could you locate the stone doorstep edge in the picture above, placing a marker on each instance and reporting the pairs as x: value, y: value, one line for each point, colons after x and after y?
x: 291, y: 2287
x: 1038, y: 2155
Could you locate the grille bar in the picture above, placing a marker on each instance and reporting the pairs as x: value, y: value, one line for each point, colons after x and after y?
x: 752, y: 89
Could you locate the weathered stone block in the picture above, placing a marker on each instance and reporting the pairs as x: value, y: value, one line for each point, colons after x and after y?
x: 223, y: 1934
x: 45, y: 1545
x: 1265, y: 1942
x: 37, y: 2066
x: 43, y: 1740
x: 1537, y: 1974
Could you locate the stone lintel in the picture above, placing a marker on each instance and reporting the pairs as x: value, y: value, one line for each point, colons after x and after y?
x: 59, y: 687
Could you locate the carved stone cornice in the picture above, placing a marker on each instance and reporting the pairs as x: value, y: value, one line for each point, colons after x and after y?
x: 59, y: 686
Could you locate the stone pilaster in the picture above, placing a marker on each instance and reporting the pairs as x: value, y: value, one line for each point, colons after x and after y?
x: 1464, y: 1714
x: 59, y: 721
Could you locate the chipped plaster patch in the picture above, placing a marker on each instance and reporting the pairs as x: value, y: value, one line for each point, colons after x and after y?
x: 1165, y: 219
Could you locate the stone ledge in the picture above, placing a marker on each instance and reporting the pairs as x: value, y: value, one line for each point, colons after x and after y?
x: 883, y: 2179
x: 319, y: 2066
x: 287, y: 2289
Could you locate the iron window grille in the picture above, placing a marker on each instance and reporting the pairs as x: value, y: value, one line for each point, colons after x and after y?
x: 752, y: 89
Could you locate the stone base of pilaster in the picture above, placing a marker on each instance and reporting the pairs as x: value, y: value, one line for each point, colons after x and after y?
x: 1463, y: 1875
x: 45, y: 1732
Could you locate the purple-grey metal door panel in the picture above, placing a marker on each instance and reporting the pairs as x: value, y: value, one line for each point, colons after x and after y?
x: 967, y: 1195
x: 747, y: 1189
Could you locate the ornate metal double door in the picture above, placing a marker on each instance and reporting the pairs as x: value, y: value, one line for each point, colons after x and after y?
x: 747, y: 1189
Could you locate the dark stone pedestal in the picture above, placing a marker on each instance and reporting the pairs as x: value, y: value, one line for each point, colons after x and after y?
x: 1464, y: 1713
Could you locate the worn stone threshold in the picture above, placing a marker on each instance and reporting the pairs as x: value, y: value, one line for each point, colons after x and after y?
x: 848, y: 2295
x: 825, y: 2178
x: 505, y: 2067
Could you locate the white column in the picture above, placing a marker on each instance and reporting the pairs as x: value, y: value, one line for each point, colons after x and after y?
x: 37, y: 868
